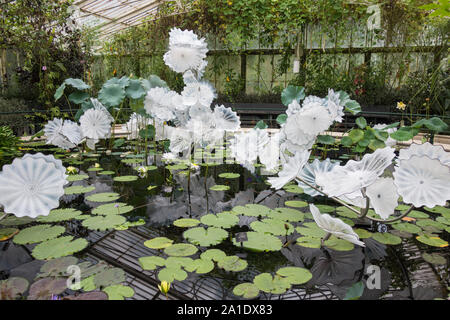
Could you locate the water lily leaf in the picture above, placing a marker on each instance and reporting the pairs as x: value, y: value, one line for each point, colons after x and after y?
x: 106, y: 173
x: 356, y: 135
x: 118, y: 292
x: 293, y: 188
x: 12, y: 288
x: 200, y: 266
x: 276, y: 285
x: 338, y: 244
x: 77, y: 177
x: 152, y: 262
x: 15, y: 221
x: 78, y: 189
x: 229, y: 175
x: 296, y: 204
x: 287, y: 214
x: 326, y: 139
x: 44, y: 289
x: 309, y: 242
x: 219, y: 187
x: 346, y: 212
x: 93, y: 169
x: 261, y: 125
x: 260, y: 242
x: 205, y: 236
x: 130, y: 224
x: 295, y: 275
x: 439, y: 209
x: 59, y: 247
x: 432, y: 241
x: 58, y: 215
x: 387, y: 238
x: 154, y: 82
x: 431, y: 223
x: 7, y: 233
x: 213, y: 254
x: 38, y: 233
x: 57, y: 267
x: 103, y: 223
x: 220, y: 220
x: 186, y: 223
x: 232, y: 263
x: 292, y: 93
x: 135, y: 90
x: 125, y: 178
x: 325, y: 208
x: 103, y: 197
x: 355, y: 291
x: 252, y: 210
x: 171, y: 274
x: 272, y: 226
x: 361, y: 122
x: 363, y: 234
x: 78, y: 97
x: 158, y: 243
x: 77, y: 84
x: 407, y: 227
x: 181, y: 250
x: 112, y: 208
x: 246, y: 290
x: 434, y: 258
x: 313, y: 231
x: 109, y: 277
x: 132, y: 161
x: 111, y: 95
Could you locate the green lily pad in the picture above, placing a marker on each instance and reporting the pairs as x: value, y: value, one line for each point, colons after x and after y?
x: 200, y: 266
x: 407, y: 227
x: 38, y: 233
x: 57, y: 267
x: 323, y: 208
x: 246, y: 290
x: 309, y: 242
x: 103, y: 223
x: 125, y: 178
x: 363, y: 234
x: 296, y: 204
x: 186, y: 223
x: 434, y: 258
x: 276, y: 285
x: 418, y: 214
x: 346, y: 212
x: 338, y: 244
x: 229, y: 175
x: 439, y: 209
x: 59, y: 215
x: 432, y: 241
x: 272, y: 226
x: 252, y: 210
x: 293, y: 188
x: 95, y: 169
x: 109, y: 277
x: 77, y: 177
x: 106, y: 173
x: 130, y: 224
x: 103, y: 197
x: 295, y: 275
x: 78, y: 190
x: 15, y: 221
x: 112, y: 208
x: 220, y: 220
x: 118, y: 292
x: 181, y: 250
x: 232, y: 263
x: 219, y: 187
x: 59, y: 247
x: 260, y: 242
x: 205, y: 237
x: 171, y: 274
x: 312, y: 231
x: 7, y: 233
x: 152, y: 262
x: 213, y: 254
x: 287, y: 214
x: 431, y: 223
x: 387, y: 238
x: 158, y: 243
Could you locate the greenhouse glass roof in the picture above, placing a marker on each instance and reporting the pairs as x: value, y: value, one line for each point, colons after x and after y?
x: 111, y: 16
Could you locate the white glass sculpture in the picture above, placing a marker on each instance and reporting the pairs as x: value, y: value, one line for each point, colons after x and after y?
x: 95, y: 124
x: 383, y: 197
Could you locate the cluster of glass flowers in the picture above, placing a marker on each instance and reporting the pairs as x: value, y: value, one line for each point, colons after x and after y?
x: 32, y: 185
x: 189, y: 113
x: 95, y: 124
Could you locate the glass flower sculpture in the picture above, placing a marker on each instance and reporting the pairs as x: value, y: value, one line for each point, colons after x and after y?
x: 291, y: 169
x: 383, y: 197
x: 65, y: 134
x: 32, y: 185
x: 96, y: 124
x: 309, y: 172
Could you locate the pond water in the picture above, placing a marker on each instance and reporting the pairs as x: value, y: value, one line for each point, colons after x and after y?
x: 168, y: 193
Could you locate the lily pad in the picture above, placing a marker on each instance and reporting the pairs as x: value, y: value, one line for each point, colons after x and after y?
x: 181, y: 250
x: 59, y: 247
x: 232, y: 263
x: 15, y: 221
x: 434, y: 258
x: 295, y: 275
x: 103, y: 197
x: 44, y: 289
x: 309, y: 242
x: 112, y: 208
x: 431, y: 223
x: 219, y: 187
x: 213, y: 254
x: 293, y: 188
x: 7, y: 233
x: 200, y: 266
x: 363, y: 234
x: 432, y: 241
x: 171, y: 274
x: 338, y: 244
x: 78, y: 190
x: 246, y: 290
x: 106, y: 173
x: 118, y: 292
x: 287, y: 214
x: 57, y: 267
x: 296, y: 204
x: 346, y: 212
x: 152, y: 262
x: 103, y: 223
x: 229, y: 175
x: 186, y: 223
x: 158, y: 243
x: 312, y: 231
x: 38, y: 233
x: 130, y: 224
x: 407, y: 227
x: 220, y: 220
x: 276, y: 285
x: 77, y: 177
x: 252, y: 210
x: 205, y: 236
x: 387, y: 238
x: 109, y: 277
x: 323, y: 208
x: 125, y: 178
x: 260, y: 242
x: 272, y: 226
x: 58, y: 215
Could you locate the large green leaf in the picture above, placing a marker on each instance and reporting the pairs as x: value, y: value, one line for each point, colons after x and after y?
x: 276, y: 285
x: 111, y: 95
x: 181, y: 250
x: 257, y: 241
x: 295, y: 275
x: 77, y: 84
x: 118, y: 292
x: 38, y: 233
x: 361, y: 122
x: 12, y: 288
x: 135, y: 90
x: 252, y: 210
x: 59, y: 247
x: 205, y: 236
x: 272, y: 226
x: 158, y: 243
x: 148, y: 132
x: 246, y: 290
x: 171, y: 274
x: 78, y: 97
x: 292, y: 93
x: 404, y: 133
x: 58, y: 215
x: 112, y: 208
x: 232, y: 263
x: 109, y: 277
x: 220, y: 220
x: 434, y: 124
x: 103, y: 223
x: 60, y: 91
x: 151, y: 263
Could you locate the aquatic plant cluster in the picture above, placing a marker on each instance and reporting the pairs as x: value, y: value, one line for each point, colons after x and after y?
x: 381, y: 187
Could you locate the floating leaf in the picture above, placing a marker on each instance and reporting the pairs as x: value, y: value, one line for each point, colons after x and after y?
x: 78, y: 189
x: 272, y: 226
x: 158, y: 243
x: 220, y: 220
x: 77, y: 177
x: 130, y: 224
x: 338, y: 244
x: 219, y: 187
x: 355, y: 291
x: 118, y: 292
x: 15, y: 221
x: 313, y: 231
x: 96, y: 295
x: 407, y: 227
x: 252, y: 210
x: 434, y: 258
x: 246, y: 290
x: 186, y: 223
x: 432, y: 223
x: 205, y: 236
x: 296, y: 204
x: 309, y: 242
x: 287, y: 214
x: 181, y: 250
x: 38, y: 233
x: 44, y: 289
x: 103, y: 223
x: 151, y: 263
x: 103, y: 197
x: 276, y: 285
x: 171, y: 274
x: 58, y: 215
x: 57, y: 267
x: 387, y: 238
x: 213, y: 254
x: 432, y: 241
x: 295, y: 275
x: 229, y: 175
x: 125, y: 178
x: 112, y: 208
x: 293, y: 188
x: 200, y: 266
x: 7, y: 233
x: 232, y: 263
x: 260, y: 242
x: 363, y: 234
x: 59, y: 247
x: 109, y: 277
